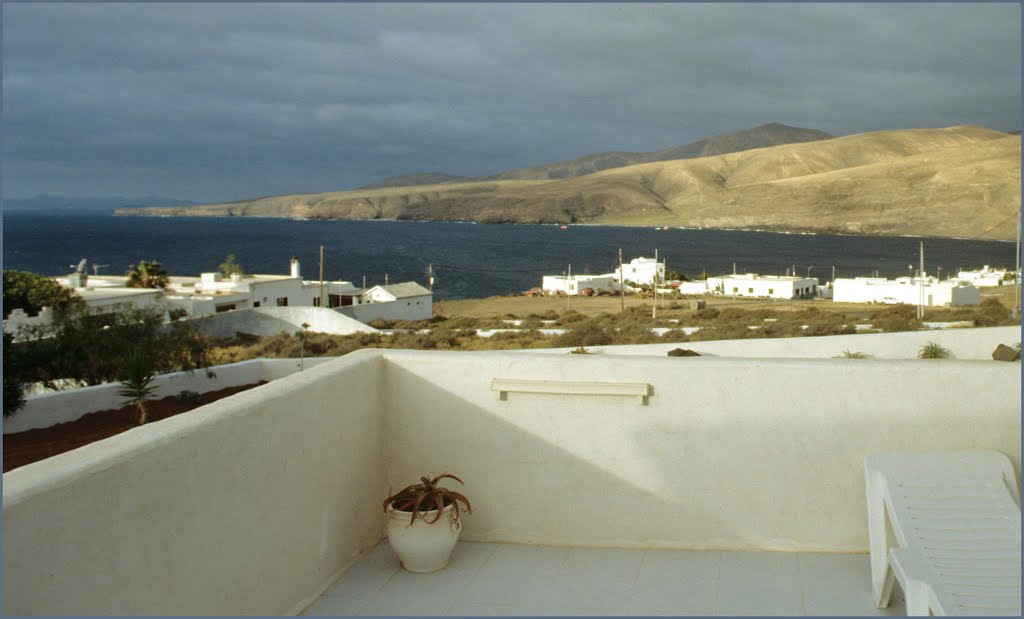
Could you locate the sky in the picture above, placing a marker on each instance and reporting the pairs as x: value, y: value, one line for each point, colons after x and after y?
x: 219, y: 102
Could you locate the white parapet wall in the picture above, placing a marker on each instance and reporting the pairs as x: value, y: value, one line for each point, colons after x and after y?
x: 251, y: 505
x: 47, y: 409
x: 740, y: 454
x: 973, y: 343
x: 256, y: 503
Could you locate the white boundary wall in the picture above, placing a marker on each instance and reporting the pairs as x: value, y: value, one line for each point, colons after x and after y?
x: 974, y: 343
x: 45, y: 410
x: 256, y: 503
x: 267, y: 321
x: 251, y: 505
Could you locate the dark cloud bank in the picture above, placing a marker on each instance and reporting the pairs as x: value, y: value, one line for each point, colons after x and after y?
x: 220, y: 102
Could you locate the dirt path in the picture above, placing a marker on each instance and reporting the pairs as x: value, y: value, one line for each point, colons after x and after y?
x: 33, y: 445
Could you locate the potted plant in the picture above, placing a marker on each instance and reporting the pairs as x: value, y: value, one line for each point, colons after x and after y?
x: 423, y: 523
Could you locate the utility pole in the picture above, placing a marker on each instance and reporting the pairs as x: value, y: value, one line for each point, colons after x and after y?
x: 654, y: 310
x: 1016, y: 275
x: 920, y: 285
x: 833, y: 273
x: 622, y: 283
x: 364, y: 281
x: 430, y: 276
x: 321, y: 276
x: 385, y: 279
x: 569, y: 277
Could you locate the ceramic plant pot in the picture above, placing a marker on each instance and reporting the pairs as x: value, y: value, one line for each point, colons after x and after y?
x: 423, y: 546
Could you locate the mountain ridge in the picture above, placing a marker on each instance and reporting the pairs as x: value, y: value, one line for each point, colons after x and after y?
x: 955, y: 182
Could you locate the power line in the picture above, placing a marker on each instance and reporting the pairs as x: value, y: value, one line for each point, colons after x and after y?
x: 994, y: 227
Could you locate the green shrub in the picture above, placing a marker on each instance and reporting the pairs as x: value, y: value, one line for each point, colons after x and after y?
x: 584, y: 334
x: 188, y: 397
x: 932, y: 350
x: 848, y: 354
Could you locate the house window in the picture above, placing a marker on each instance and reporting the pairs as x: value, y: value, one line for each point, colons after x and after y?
x: 771, y: 291
x: 735, y: 289
x: 255, y: 303
x: 227, y: 307
x: 750, y: 290
x: 282, y: 301
x: 333, y: 300
x: 316, y: 301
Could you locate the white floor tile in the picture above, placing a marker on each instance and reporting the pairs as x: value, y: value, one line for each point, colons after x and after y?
x: 687, y: 564
x: 759, y: 583
x: 408, y: 593
x: 668, y: 593
x: 484, y: 579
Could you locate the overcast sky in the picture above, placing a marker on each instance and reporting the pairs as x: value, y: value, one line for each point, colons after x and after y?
x: 216, y: 102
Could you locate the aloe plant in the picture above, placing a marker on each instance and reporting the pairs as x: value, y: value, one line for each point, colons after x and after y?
x: 418, y: 499
x: 137, y: 382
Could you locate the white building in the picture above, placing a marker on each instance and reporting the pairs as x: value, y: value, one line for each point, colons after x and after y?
x: 212, y: 293
x: 575, y: 284
x: 927, y: 291
x: 405, y: 301
x: 641, y: 271
x: 985, y: 277
x: 698, y: 287
x: 771, y: 286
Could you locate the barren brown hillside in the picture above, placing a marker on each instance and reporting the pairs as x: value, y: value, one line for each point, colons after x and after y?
x: 957, y: 181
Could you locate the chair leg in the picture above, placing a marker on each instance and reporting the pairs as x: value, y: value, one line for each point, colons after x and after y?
x: 883, y: 592
x: 878, y: 543
x: 916, y: 593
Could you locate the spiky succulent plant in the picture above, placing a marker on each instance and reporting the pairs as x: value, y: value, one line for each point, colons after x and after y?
x: 425, y: 496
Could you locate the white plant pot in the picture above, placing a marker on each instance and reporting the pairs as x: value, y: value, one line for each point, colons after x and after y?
x: 423, y: 546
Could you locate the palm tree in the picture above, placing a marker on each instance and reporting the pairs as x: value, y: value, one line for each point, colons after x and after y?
x: 147, y: 274
x: 137, y: 384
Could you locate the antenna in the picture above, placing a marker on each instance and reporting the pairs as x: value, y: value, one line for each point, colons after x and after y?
x: 96, y: 268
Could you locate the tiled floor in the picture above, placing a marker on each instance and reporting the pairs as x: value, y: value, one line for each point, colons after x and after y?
x: 507, y: 579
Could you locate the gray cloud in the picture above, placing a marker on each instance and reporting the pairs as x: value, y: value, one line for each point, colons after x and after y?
x: 227, y: 101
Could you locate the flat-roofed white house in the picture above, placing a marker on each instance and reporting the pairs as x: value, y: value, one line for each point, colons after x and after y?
x: 641, y: 271
x: 771, y: 286
x: 212, y: 293
x: 927, y: 291
x: 985, y: 277
x: 404, y: 301
x: 576, y: 284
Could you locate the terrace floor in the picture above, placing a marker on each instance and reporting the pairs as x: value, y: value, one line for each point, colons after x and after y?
x: 509, y: 579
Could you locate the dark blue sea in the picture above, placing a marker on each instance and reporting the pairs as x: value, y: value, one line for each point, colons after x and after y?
x: 469, y: 260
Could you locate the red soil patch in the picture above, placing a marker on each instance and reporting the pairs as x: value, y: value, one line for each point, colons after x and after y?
x: 30, y: 446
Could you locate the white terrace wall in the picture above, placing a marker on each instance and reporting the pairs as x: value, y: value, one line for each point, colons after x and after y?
x: 409, y: 308
x: 251, y: 505
x: 727, y: 454
x: 45, y: 410
x: 267, y: 321
x: 973, y: 343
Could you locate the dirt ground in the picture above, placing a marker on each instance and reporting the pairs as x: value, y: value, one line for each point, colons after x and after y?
x: 522, y: 305
x: 33, y: 445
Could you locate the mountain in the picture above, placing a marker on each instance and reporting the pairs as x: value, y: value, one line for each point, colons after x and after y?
x: 771, y: 134
x: 954, y: 182
x: 423, y: 178
x: 45, y: 202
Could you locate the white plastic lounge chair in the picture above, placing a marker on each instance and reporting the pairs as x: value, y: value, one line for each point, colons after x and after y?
x: 946, y: 525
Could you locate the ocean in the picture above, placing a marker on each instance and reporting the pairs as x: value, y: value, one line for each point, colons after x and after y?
x: 468, y: 260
